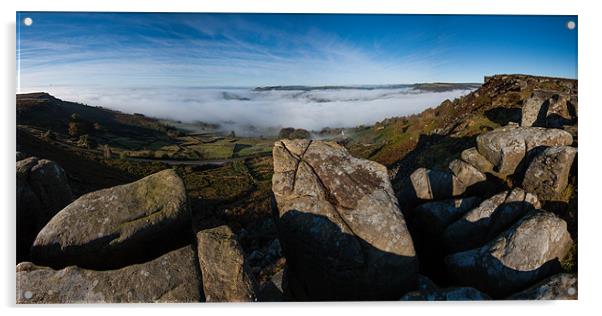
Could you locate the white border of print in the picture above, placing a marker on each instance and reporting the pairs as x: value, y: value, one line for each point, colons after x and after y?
x: 589, y: 27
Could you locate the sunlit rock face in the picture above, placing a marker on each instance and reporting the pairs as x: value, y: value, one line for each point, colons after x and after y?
x: 172, y: 277
x: 340, y: 224
x: 117, y: 226
x: 528, y: 252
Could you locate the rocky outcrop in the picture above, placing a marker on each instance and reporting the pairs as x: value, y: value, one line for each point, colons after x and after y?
x: 506, y: 147
x: 117, y: 226
x: 171, y: 278
x: 535, y: 108
x: 447, y: 294
x: 226, y: 276
x: 432, y: 218
x: 466, y: 174
x: 524, y: 254
x: 561, y: 111
x: 433, y: 184
x: 562, y: 286
x: 472, y: 156
x: 547, y: 108
x: 340, y: 226
x: 489, y: 219
x: 427, y: 290
x: 42, y: 191
x: 548, y: 173
x: 426, y: 184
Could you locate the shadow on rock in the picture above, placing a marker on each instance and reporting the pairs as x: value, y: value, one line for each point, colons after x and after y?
x: 503, y: 116
x: 327, y: 264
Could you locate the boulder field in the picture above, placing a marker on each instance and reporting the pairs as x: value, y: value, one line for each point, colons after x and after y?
x: 494, y: 221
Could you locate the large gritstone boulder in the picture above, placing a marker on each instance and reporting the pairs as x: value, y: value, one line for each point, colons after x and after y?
x: 506, y: 147
x: 562, y: 286
x: 489, y: 219
x: 117, y: 226
x: 535, y: 108
x: 341, y: 229
x: 226, y: 277
x: 526, y: 253
x: 171, y: 278
x: 548, y: 173
x: 42, y: 191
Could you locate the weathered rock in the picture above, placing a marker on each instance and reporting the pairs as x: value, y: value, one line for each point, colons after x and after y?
x: 114, y: 227
x: 42, y: 191
x: 340, y: 226
x: 559, y: 112
x: 275, y: 289
x: 447, y: 294
x: 472, y: 156
x: 433, y: 217
x: 21, y: 155
x: 562, y: 286
x: 506, y: 147
x: 535, y: 108
x: 524, y: 254
x: 466, y: 174
x: 435, y: 184
x: 489, y: 219
x: 548, y: 173
x: 226, y: 276
x: 171, y: 278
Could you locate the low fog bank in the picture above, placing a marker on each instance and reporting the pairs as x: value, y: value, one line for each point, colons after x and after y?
x: 248, y: 111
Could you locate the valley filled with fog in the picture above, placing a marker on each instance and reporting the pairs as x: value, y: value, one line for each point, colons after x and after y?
x: 263, y: 111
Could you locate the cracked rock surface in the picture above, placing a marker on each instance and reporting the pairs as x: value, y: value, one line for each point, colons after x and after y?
x: 340, y: 224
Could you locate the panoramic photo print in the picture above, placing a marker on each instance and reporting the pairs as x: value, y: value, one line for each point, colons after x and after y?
x: 213, y: 157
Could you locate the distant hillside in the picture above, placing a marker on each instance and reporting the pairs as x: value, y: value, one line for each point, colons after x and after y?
x: 44, y: 111
x: 435, y: 87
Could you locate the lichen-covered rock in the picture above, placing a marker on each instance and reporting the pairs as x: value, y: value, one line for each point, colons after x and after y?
x: 171, y: 278
x: 427, y: 184
x: 340, y: 226
x: 42, y: 191
x: 506, y: 147
x: 226, y: 276
x: 548, y: 173
x: 472, y: 156
x: 489, y: 219
x: 114, y: 227
x: 559, y: 111
x: 526, y: 253
x: 447, y: 294
x: 433, y: 217
x: 562, y: 286
x: 466, y: 174
x: 534, y: 111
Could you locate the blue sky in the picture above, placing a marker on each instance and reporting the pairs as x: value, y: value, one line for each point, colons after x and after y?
x: 189, y: 50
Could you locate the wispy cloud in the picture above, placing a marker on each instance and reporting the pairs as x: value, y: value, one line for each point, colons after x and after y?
x: 222, y: 54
